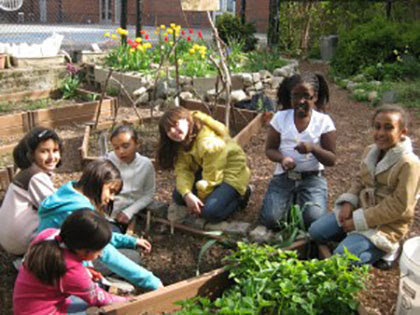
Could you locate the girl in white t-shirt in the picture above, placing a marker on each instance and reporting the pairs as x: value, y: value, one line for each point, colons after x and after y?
x: 301, y: 141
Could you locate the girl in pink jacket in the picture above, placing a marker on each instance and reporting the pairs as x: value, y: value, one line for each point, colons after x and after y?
x: 52, y: 279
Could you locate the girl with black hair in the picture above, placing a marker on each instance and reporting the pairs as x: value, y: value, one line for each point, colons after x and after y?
x: 52, y: 279
x: 301, y: 141
x: 137, y: 172
x: 96, y: 190
x: 37, y: 155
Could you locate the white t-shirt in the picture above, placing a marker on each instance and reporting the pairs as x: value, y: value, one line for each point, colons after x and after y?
x: 283, y: 123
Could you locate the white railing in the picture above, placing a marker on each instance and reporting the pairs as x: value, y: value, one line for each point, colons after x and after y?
x: 10, y: 5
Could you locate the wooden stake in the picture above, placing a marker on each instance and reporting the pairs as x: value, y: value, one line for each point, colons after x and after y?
x: 148, y: 218
x: 98, y: 112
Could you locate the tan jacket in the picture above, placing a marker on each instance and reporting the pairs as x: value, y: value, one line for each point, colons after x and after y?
x: 385, y: 194
x: 217, y: 154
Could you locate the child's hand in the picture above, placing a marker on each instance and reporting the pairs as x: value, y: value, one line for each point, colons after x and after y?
x: 287, y: 163
x: 96, y: 275
x: 144, y: 244
x: 345, y: 212
x: 304, y: 147
x: 122, y: 218
x: 194, y: 203
x: 348, y: 225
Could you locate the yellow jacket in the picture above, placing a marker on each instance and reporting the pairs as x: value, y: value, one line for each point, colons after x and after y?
x: 217, y: 154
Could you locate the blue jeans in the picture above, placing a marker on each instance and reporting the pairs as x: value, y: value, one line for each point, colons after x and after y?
x: 327, y: 229
x: 222, y: 202
x: 77, y: 306
x: 310, y: 194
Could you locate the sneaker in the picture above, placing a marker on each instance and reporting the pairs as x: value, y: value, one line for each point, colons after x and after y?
x: 118, y: 286
x: 17, y: 263
x: 383, y: 264
x: 245, y: 198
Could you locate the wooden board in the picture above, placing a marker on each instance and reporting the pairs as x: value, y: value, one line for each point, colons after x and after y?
x: 210, y: 284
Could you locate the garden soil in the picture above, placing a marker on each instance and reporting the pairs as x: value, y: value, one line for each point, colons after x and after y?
x: 174, y: 257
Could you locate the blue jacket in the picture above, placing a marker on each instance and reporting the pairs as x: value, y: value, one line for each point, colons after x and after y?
x: 55, y: 209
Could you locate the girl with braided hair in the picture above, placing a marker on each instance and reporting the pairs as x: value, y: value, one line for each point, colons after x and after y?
x: 301, y: 141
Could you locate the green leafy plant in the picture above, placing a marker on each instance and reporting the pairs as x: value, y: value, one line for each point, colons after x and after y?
x: 270, y: 281
x: 231, y: 28
x: 71, y: 82
x: 290, y: 227
x: 264, y: 59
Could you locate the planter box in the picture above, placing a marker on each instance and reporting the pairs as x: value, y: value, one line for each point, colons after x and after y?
x: 211, y: 284
x: 65, y: 115
x: 38, y: 62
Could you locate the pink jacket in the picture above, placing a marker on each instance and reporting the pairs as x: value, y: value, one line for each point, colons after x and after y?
x: 31, y: 296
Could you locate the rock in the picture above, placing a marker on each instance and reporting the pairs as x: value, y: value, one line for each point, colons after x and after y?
x: 260, y: 234
x: 185, y: 80
x: 389, y: 97
x: 247, y: 79
x: 264, y: 74
x: 234, y: 227
x: 237, y: 96
x: 375, y: 83
x: 221, y: 226
x: 276, y: 81
x: 158, y: 208
x: 186, y: 95
x: 210, y: 95
x: 142, y: 99
x: 162, y: 89
x: 140, y: 91
x: 351, y: 85
x: 258, y: 86
x: 202, y: 85
x: 372, y: 95
x: 256, y: 77
x: 237, y: 82
x: 282, y: 72
x: 197, y: 223
x: 177, y: 213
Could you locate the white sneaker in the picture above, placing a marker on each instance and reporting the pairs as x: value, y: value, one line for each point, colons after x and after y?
x: 17, y: 263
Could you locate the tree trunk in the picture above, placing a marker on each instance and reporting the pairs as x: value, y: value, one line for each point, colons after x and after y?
x: 273, y: 33
x: 304, y: 43
x: 243, y: 11
x: 138, y: 18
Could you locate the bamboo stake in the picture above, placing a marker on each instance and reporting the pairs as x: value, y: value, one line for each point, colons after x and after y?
x: 98, y: 112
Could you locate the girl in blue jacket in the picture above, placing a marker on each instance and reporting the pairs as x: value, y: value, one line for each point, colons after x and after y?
x: 96, y: 189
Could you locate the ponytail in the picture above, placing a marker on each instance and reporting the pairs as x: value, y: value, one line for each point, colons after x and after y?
x: 45, y: 260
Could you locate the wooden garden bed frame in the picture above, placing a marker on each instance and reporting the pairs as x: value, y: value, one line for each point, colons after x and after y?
x: 20, y: 123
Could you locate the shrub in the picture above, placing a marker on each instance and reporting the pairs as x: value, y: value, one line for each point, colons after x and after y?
x: 377, y: 42
x: 231, y: 28
x: 264, y: 59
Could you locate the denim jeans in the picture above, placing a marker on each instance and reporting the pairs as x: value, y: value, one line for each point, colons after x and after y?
x: 309, y: 193
x: 77, y: 306
x: 222, y: 202
x: 327, y: 229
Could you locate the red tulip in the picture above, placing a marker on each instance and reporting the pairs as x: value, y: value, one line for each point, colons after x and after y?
x: 130, y: 41
x: 142, y: 32
x: 188, y: 38
x: 190, y: 30
x: 183, y: 32
x: 166, y: 38
x: 200, y: 34
x: 146, y: 37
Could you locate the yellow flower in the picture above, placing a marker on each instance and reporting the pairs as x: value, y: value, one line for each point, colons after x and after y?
x: 399, y: 58
x: 173, y: 25
x: 203, y: 55
x: 191, y: 51
x: 107, y: 34
x: 196, y: 47
x: 119, y: 30
x: 113, y: 36
x: 162, y: 26
x: 141, y: 48
x: 171, y: 43
x: 157, y: 32
x: 148, y: 45
x: 170, y: 30
x: 124, y: 32
x: 395, y: 52
x: 132, y: 50
x: 177, y: 33
x: 166, y: 34
x: 178, y: 28
x: 138, y: 39
x: 180, y: 62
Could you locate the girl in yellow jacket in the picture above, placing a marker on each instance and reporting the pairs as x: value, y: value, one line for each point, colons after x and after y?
x: 376, y: 212
x: 210, y: 167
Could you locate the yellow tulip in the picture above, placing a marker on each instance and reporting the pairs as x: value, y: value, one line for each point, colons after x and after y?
x: 156, y: 32
x: 170, y: 30
x: 173, y: 25
x: 119, y: 30
x: 162, y: 26
x: 191, y: 51
x: 147, y: 45
x: 138, y: 39
x: 171, y: 43
x: 107, y: 34
x: 196, y: 47
x: 124, y: 32
x: 141, y: 48
x: 113, y: 36
x: 132, y: 50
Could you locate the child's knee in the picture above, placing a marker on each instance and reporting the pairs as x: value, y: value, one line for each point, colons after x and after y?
x: 271, y: 217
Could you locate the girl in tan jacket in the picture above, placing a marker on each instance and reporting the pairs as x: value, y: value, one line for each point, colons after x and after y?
x: 375, y: 214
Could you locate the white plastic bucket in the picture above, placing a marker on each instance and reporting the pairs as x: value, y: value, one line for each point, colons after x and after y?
x: 409, y: 292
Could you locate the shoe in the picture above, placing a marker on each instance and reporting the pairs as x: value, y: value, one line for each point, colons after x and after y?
x: 383, y: 264
x: 243, y: 203
x: 118, y: 286
x: 17, y: 263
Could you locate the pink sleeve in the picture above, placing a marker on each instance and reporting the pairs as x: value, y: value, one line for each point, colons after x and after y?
x: 77, y: 282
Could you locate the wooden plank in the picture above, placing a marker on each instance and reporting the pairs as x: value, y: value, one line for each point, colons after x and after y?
x: 324, y: 251
x: 4, y: 179
x: 84, y: 148
x: 210, y: 284
x: 12, y: 124
x: 25, y: 95
x: 252, y: 128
